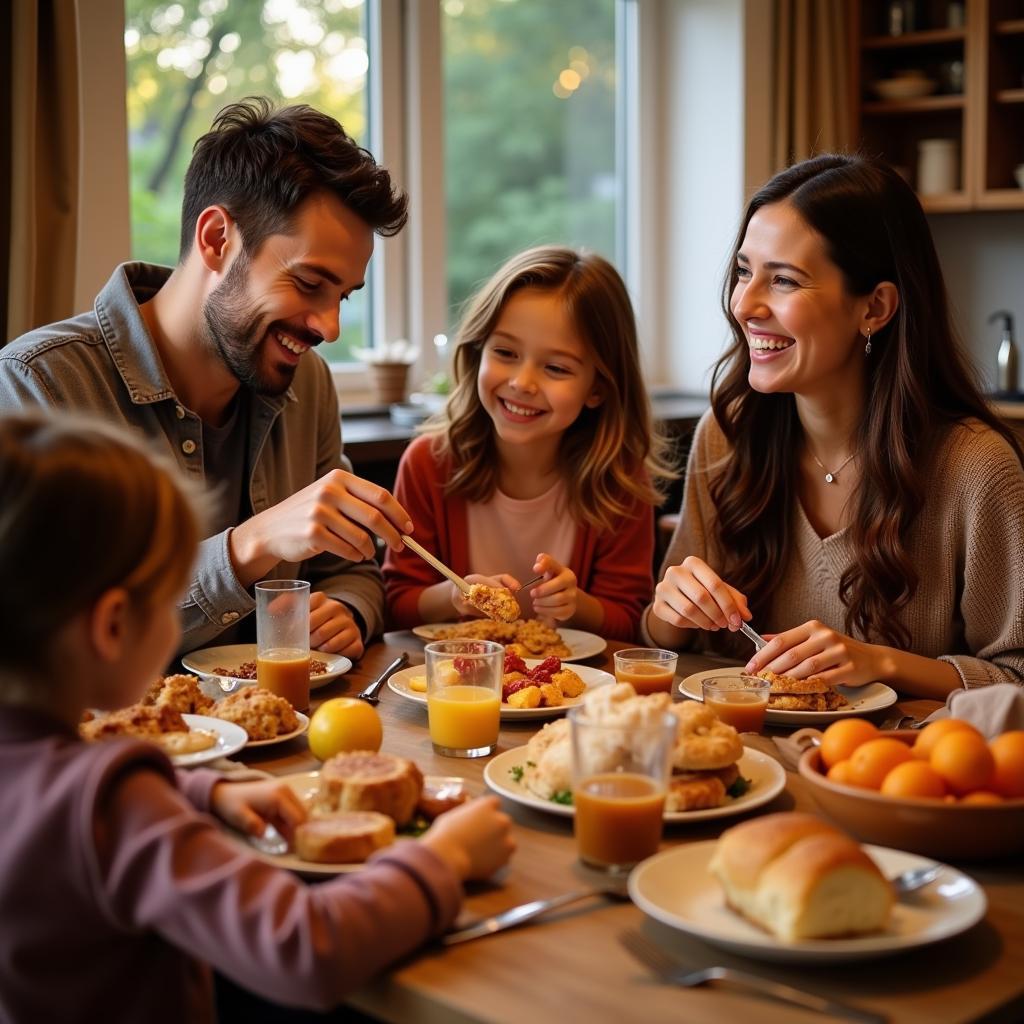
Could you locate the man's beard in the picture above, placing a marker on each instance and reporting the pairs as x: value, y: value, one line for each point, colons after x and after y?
x: 234, y: 332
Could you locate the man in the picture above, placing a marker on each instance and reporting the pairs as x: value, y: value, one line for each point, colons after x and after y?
x: 214, y: 361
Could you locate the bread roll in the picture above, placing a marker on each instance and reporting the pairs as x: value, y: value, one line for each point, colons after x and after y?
x: 800, y: 878
x: 364, y: 780
x: 346, y: 838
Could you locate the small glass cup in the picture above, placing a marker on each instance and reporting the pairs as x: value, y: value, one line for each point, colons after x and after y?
x: 646, y: 669
x: 740, y: 701
x: 620, y: 776
x: 464, y: 696
x: 282, y: 640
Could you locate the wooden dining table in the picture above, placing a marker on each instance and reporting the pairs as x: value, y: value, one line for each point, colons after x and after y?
x: 570, y: 965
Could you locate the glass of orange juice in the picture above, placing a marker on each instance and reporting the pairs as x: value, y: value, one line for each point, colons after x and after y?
x: 282, y: 640
x: 740, y: 701
x: 464, y: 696
x: 646, y: 669
x: 620, y: 774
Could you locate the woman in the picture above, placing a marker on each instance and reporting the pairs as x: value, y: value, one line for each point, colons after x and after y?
x: 849, y: 490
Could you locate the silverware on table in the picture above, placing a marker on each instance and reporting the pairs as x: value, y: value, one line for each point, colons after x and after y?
x: 515, y: 916
x: 369, y: 693
x: 914, y: 879
x: 753, y: 636
x: 673, y: 971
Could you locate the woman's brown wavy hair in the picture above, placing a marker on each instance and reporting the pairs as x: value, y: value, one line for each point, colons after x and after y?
x: 613, y: 454
x: 919, y: 384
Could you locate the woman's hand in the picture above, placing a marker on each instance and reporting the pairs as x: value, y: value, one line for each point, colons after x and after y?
x: 463, y: 607
x: 814, y: 649
x: 555, y: 597
x: 693, y: 596
x: 250, y: 806
x: 332, y: 627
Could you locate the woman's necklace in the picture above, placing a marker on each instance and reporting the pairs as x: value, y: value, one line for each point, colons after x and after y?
x: 833, y: 476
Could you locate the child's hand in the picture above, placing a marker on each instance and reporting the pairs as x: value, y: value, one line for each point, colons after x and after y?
x: 474, y: 839
x: 463, y: 607
x: 249, y: 806
x: 555, y: 596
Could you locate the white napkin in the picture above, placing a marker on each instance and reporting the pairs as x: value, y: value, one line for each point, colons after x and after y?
x: 991, y: 709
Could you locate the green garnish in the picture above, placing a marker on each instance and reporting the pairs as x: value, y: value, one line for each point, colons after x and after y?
x: 562, y: 796
x: 416, y: 827
x: 531, y: 764
x: 516, y: 771
x: 739, y: 787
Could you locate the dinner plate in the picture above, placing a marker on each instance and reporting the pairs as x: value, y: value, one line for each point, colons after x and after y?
x: 676, y: 888
x: 580, y: 643
x: 203, y: 663
x: 767, y: 777
x: 593, y: 677
x: 863, y: 700
x: 282, y: 737
x: 230, y: 739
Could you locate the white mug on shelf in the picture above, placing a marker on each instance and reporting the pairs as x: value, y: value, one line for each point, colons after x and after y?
x: 937, y: 166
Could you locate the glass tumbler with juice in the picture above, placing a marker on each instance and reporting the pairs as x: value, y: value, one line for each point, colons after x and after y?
x: 620, y: 776
x: 740, y: 701
x: 464, y: 696
x: 646, y: 669
x: 282, y: 640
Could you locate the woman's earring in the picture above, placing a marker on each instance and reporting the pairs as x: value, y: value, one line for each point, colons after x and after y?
x: 867, y: 344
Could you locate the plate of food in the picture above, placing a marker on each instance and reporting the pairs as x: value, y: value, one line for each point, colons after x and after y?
x: 532, y: 688
x: 265, y: 717
x: 358, y: 803
x: 281, y: 737
x: 844, y: 900
x: 529, y: 638
x: 800, y: 702
x: 237, y: 663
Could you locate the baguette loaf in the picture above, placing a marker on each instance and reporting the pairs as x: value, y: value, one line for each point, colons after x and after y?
x: 800, y: 878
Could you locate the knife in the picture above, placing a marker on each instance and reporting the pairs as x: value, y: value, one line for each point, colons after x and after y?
x: 515, y: 916
x: 369, y: 693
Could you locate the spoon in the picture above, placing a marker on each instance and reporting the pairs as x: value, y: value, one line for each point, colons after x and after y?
x: 914, y: 879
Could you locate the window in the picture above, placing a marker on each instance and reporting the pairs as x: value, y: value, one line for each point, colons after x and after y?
x: 188, y: 59
x: 530, y: 117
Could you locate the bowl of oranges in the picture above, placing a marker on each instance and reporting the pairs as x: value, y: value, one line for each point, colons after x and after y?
x: 944, y: 791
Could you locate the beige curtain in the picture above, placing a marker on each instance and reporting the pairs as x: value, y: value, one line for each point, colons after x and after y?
x: 812, y: 90
x: 43, y: 155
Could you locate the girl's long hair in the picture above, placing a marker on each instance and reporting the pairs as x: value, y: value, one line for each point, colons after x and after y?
x: 613, y: 454
x: 83, y: 509
x: 919, y: 384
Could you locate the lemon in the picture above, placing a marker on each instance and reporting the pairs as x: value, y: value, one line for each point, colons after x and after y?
x: 344, y: 723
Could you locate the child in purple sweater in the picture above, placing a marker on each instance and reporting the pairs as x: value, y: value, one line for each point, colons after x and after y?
x: 114, y: 879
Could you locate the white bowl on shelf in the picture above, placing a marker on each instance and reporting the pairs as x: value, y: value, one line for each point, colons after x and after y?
x: 905, y: 87
x: 1018, y: 174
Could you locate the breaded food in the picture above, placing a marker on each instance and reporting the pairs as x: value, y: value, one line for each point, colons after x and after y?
x: 704, y: 741
x: 262, y: 714
x: 527, y: 697
x: 479, y: 629
x: 812, y: 694
x: 497, y: 603
x: 696, y: 791
x: 147, y: 721
x: 348, y: 837
x: 365, y: 780
x: 529, y: 638
x: 550, y: 695
x: 180, y: 692
x: 568, y: 682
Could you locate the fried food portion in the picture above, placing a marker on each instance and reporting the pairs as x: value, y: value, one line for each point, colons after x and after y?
x: 181, y: 692
x: 704, y: 741
x: 529, y: 638
x: 813, y: 694
x: 527, y: 697
x: 552, y: 683
x: 148, y: 721
x: 497, y: 603
x: 262, y: 714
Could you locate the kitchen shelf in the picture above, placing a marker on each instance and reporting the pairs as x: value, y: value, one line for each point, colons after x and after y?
x: 948, y: 202
x: 1011, y: 27
x: 932, y: 37
x: 1010, y: 96
x: 921, y: 105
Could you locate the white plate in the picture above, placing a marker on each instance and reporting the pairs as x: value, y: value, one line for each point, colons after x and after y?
x: 676, y: 888
x: 863, y: 700
x: 767, y: 777
x: 580, y: 643
x: 593, y: 677
x: 230, y: 739
x: 282, y: 737
x: 203, y: 662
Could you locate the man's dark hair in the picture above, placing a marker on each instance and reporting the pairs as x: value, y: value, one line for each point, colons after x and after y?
x: 260, y: 164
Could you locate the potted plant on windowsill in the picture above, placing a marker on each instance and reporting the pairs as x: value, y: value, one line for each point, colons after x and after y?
x: 389, y: 368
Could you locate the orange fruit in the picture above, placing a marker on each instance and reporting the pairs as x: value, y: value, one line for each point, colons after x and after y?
x: 872, y: 761
x: 931, y: 734
x: 1008, y: 750
x: 840, y: 772
x: 842, y: 738
x: 963, y: 759
x: 915, y: 779
x: 982, y: 796
x: 344, y: 723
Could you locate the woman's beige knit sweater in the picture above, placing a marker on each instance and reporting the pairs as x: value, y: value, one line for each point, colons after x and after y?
x: 967, y: 544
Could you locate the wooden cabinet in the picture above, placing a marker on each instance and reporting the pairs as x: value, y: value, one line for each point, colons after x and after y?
x: 943, y: 71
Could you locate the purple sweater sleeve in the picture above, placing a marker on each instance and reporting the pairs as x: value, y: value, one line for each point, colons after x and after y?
x: 162, y: 867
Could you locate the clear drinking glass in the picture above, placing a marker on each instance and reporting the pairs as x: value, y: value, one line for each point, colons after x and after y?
x: 740, y: 701
x: 620, y: 776
x: 282, y: 640
x: 646, y: 669
x: 464, y: 696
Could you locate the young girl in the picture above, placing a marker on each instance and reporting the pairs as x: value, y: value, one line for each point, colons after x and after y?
x: 850, y: 489
x: 111, y: 874
x: 545, y: 461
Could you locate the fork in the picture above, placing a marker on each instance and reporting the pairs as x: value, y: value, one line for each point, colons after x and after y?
x: 671, y: 970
